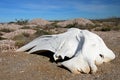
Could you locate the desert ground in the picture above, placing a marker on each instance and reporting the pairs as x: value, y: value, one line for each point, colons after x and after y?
x: 22, y: 66
x: 41, y: 66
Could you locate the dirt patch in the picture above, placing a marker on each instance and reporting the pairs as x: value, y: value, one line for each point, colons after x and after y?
x: 22, y: 66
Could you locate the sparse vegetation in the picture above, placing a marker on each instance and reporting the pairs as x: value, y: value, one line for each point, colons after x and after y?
x: 1, y: 38
x: 6, y: 30
x: 54, y: 24
x: 116, y: 28
x: 21, y: 39
x: 1, y: 34
x: 25, y: 27
x: 72, y: 25
x: 20, y: 43
x: 11, y: 22
x: 21, y: 21
x: 41, y: 32
x: 107, y: 24
x: 112, y: 19
x: 76, y: 25
x: 26, y: 34
x: 103, y: 28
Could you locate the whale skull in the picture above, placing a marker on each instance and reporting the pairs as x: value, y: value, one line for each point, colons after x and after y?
x: 84, y: 48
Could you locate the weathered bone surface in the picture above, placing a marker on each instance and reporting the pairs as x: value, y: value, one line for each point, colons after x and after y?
x: 85, y: 49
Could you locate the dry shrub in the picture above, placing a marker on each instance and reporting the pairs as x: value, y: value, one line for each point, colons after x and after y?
x: 25, y: 27
x: 21, y: 21
x: 26, y: 34
x: 20, y: 39
x: 1, y: 38
x: 116, y: 28
x: 20, y: 43
x: 108, y: 28
x: 42, y: 32
x: 103, y: 29
x: 6, y: 30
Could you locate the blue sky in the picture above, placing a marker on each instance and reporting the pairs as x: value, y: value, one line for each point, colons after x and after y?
x: 58, y: 9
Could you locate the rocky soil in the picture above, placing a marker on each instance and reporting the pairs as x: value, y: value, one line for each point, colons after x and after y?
x: 22, y: 66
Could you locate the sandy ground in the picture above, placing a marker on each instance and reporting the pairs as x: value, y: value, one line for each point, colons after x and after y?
x: 22, y: 66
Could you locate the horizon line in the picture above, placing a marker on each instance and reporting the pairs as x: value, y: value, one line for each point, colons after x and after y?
x: 14, y: 20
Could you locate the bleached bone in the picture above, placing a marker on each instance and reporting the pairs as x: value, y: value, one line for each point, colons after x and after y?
x: 63, y: 45
x: 85, y: 49
x: 93, y: 52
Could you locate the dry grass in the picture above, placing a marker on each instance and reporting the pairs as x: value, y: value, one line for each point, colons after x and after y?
x: 7, y: 45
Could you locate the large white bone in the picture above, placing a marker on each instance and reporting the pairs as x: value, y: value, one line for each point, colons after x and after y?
x: 93, y: 52
x: 63, y: 45
x: 85, y: 49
